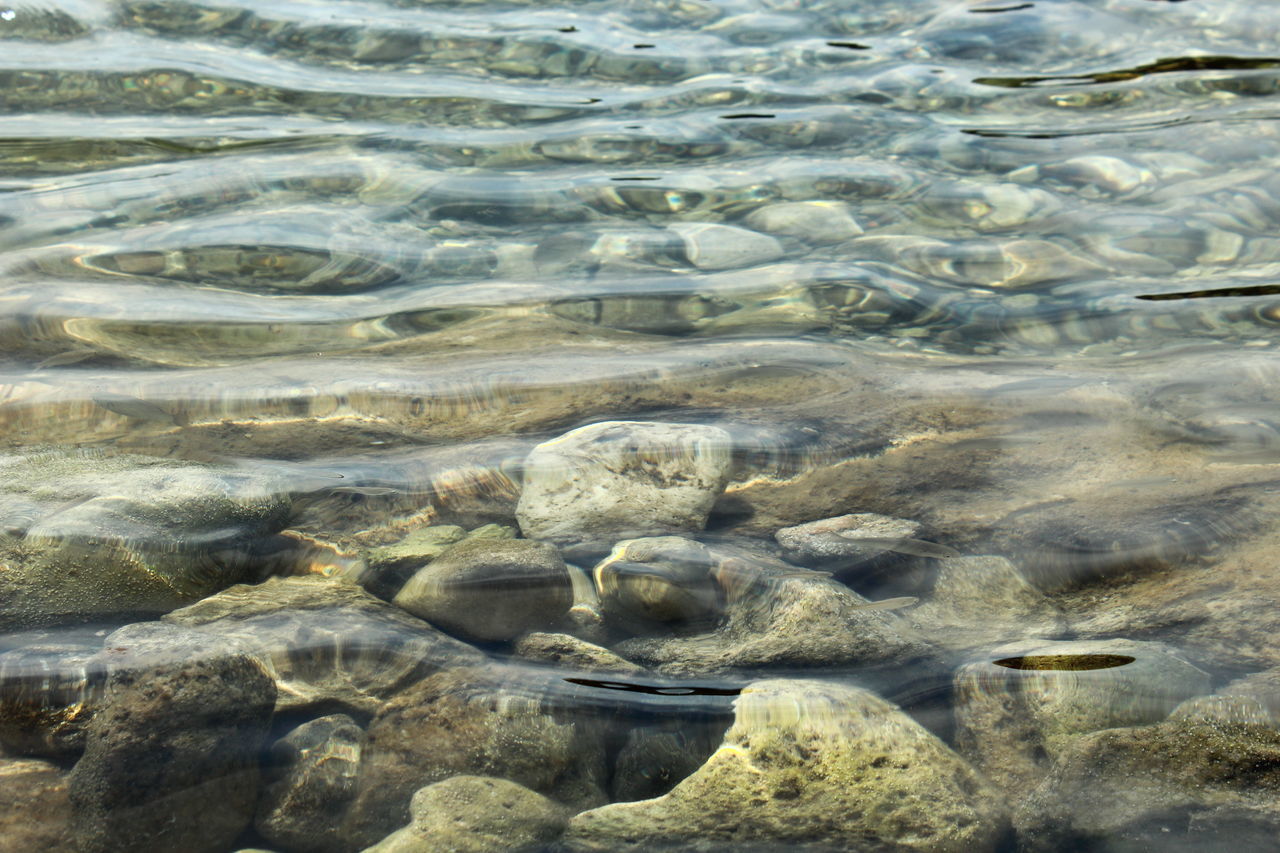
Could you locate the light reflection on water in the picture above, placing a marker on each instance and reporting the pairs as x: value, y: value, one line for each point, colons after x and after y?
x: 289, y: 293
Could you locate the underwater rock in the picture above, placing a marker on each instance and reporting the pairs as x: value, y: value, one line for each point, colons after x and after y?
x: 983, y: 601
x: 816, y: 222
x: 1185, y: 785
x: 491, y: 589
x: 318, y: 763
x: 475, y: 814
x: 778, y: 616
x: 35, y: 811
x: 623, y: 479
x: 657, y: 579
x: 710, y: 246
x: 569, y: 652
x: 811, y: 763
x: 327, y: 642
x: 1261, y: 687
x: 656, y: 758
x: 107, y: 535
x: 48, y: 694
x: 421, y: 546
x: 1019, y: 709
x: 171, y: 760
x: 851, y: 538
x: 490, y: 721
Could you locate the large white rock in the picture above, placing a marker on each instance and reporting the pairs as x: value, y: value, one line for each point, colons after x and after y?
x: 623, y: 480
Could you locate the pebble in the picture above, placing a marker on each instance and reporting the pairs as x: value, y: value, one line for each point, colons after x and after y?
x: 491, y: 589
x: 816, y: 222
x: 475, y: 814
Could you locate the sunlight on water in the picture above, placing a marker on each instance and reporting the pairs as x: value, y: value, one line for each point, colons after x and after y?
x: 639, y: 425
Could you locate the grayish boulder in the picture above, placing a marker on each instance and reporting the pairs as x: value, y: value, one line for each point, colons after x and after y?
x: 92, y: 535
x: 623, y: 479
x: 568, y: 652
x: 489, y: 721
x: 327, y: 642
x: 171, y: 759
x: 847, y: 538
x: 1022, y: 706
x: 811, y: 764
x: 491, y: 589
x: 658, y: 579
x: 316, y: 767
x: 1181, y: 785
x: 711, y: 246
x: 778, y: 616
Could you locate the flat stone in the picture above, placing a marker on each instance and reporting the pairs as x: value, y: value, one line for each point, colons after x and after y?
x: 1013, y: 719
x: 317, y: 765
x: 476, y: 814
x: 855, y: 537
x: 35, y: 810
x: 489, y: 721
x: 623, y: 480
x: 491, y: 589
x: 1184, y: 785
x: 327, y: 642
x: 171, y: 759
x: 815, y: 222
x: 418, y: 548
x: 569, y: 652
x: 815, y: 764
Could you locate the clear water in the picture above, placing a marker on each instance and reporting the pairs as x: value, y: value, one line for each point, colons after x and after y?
x: 284, y: 283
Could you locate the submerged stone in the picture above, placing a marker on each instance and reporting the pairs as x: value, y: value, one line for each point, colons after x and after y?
x: 490, y: 721
x: 816, y: 222
x: 171, y: 759
x: 710, y: 246
x: 623, y: 479
x: 984, y: 600
x: 777, y: 616
x: 1019, y: 709
x: 35, y: 809
x: 1182, y: 785
x: 316, y: 766
x: 854, y: 538
x: 815, y: 765
x: 475, y: 814
x: 109, y: 535
x: 49, y: 690
x: 569, y: 652
x: 658, y: 579
x: 327, y: 642
x: 491, y: 589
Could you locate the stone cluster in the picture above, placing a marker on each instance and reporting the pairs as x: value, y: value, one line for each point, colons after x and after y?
x: 610, y: 676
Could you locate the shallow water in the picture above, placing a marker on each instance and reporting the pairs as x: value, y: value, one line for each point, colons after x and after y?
x: 300, y: 294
